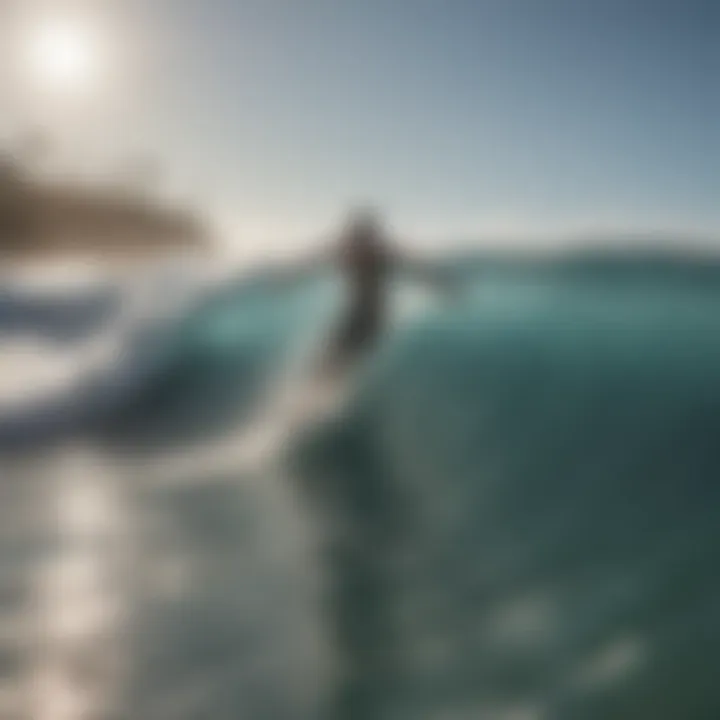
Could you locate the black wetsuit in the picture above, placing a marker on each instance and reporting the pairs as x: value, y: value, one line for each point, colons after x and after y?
x: 365, y: 266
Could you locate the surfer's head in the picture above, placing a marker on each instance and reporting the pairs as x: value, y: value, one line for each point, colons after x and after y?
x: 363, y: 228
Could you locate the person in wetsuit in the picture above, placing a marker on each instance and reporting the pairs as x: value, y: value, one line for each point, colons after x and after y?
x: 365, y: 261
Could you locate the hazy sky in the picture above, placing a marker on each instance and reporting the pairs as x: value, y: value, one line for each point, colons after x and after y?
x: 459, y: 117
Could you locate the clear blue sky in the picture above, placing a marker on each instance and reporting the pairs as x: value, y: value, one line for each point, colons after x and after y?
x: 457, y: 116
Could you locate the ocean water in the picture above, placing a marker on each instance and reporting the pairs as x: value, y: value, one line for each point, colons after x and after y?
x: 512, y: 513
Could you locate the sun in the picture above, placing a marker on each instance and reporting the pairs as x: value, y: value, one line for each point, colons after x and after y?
x: 63, y: 55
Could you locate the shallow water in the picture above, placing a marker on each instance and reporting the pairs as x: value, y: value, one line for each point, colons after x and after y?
x: 514, y: 517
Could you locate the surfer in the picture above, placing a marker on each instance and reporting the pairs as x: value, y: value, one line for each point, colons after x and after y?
x: 366, y: 261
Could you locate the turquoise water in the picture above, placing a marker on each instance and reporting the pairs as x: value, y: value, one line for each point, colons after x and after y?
x: 514, y: 517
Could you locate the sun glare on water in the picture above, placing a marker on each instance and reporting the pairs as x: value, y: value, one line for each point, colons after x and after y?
x: 64, y: 55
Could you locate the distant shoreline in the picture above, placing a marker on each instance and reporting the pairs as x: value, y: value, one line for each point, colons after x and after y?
x: 42, y: 218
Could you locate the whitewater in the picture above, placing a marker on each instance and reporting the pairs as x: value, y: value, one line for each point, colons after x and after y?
x: 508, y: 511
